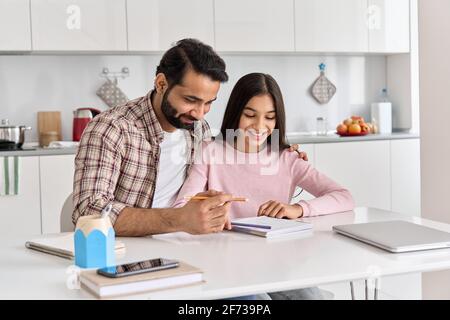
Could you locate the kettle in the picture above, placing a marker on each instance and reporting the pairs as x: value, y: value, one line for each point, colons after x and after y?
x: 81, y: 118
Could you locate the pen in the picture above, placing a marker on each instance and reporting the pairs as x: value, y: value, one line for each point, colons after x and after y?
x: 205, y: 197
x: 240, y: 224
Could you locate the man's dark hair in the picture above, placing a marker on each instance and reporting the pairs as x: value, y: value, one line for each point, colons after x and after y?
x: 191, y: 53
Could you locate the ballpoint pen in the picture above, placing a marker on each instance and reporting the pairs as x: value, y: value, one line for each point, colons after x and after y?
x: 241, y: 224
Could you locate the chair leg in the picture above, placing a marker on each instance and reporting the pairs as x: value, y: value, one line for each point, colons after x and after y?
x: 352, y: 290
x: 366, y: 289
x: 375, y: 295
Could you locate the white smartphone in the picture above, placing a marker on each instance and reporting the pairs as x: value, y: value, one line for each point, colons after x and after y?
x: 129, y: 269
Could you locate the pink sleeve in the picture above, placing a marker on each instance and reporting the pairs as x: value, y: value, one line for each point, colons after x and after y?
x: 196, y: 182
x: 330, y: 196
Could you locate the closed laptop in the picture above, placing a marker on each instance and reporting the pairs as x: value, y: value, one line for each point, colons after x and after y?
x: 396, y: 235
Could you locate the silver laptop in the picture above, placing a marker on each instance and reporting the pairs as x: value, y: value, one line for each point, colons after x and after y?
x: 396, y: 235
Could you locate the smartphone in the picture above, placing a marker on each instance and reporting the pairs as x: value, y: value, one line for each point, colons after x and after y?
x: 129, y: 269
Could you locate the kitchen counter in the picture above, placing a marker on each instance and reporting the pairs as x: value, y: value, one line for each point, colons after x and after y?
x: 37, y: 151
x: 308, y: 138
x: 293, y: 137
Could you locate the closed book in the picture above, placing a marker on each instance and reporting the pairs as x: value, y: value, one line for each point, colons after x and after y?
x: 61, y: 244
x: 278, y: 227
x: 105, y: 287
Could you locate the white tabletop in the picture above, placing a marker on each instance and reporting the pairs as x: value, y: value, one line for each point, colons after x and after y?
x: 234, y: 264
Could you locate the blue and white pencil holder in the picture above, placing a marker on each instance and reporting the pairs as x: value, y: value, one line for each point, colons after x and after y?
x: 94, y: 242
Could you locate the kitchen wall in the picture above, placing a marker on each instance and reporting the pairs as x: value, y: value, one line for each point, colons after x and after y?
x: 32, y: 83
x: 434, y: 114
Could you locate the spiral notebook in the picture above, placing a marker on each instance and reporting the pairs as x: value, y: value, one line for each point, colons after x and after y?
x: 259, y: 226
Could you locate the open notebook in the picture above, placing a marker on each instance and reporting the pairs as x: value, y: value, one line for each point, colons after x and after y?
x: 278, y: 227
x: 61, y: 244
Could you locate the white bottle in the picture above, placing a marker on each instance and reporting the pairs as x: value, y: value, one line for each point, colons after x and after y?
x: 381, y: 113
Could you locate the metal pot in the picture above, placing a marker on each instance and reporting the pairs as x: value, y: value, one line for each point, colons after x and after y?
x: 12, y: 136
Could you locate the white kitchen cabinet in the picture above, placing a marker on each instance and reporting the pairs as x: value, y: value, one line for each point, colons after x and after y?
x: 15, y: 31
x: 388, y: 23
x: 362, y: 167
x: 79, y: 25
x: 56, y: 185
x: 154, y: 25
x: 331, y: 26
x: 405, y: 176
x: 254, y: 25
x: 21, y: 214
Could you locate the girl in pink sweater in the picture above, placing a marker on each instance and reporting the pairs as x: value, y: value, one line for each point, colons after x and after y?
x: 250, y: 159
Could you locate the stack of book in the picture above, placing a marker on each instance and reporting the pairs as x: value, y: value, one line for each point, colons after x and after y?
x: 105, y: 287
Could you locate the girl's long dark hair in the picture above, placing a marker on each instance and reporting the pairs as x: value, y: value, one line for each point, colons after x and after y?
x: 247, y: 87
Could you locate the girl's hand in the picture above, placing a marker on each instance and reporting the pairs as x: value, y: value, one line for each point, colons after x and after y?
x: 280, y: 210
x: 302, y: 155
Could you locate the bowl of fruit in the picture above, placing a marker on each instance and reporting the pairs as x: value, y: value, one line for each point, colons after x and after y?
x: 355, y: 126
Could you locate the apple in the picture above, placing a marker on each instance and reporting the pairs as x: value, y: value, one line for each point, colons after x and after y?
x: 365, y: 128
x: 341, y: 129
x: 348, y: 122
x: 354, y: 129
x: 357, y: 118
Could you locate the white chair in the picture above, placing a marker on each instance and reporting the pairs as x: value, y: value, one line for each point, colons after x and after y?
x: 66, y: 215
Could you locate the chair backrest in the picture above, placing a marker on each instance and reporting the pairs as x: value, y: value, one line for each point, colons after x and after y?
x: 66, y: 215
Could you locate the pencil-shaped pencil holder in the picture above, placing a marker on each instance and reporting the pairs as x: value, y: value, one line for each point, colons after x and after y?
x: 94, y: 242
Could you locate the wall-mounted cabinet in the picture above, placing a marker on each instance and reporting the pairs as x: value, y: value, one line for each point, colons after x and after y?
x: 379, y: 26
x: 79, y: 25
x: 154, y: 25
x: 254, y: 25
x: 389, y: 25
x: 15, y: 30
x: 331, y: 26
x: 314, y: 26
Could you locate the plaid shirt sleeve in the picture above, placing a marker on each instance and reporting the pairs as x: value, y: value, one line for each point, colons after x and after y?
x: 97, y: 169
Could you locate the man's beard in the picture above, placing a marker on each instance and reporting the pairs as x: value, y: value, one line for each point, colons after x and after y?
x: 170, y: 113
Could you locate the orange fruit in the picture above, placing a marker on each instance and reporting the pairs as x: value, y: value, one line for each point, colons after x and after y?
x: 354, y: 129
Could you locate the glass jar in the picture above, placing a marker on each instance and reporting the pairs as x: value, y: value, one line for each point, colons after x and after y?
x: 321, y: 126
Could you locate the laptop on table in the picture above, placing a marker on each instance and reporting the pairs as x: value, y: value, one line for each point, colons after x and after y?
x: 396, y: 235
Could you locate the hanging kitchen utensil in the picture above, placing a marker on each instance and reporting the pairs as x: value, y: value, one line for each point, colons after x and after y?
x: 322, y: 89
x: 111, y: 94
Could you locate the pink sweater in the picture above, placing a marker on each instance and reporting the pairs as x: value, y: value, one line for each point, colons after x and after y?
x: 261, y: 177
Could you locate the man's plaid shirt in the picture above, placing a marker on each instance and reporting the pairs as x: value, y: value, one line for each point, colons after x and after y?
x: 118, y: 158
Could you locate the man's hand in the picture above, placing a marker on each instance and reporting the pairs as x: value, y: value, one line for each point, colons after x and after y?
x: 301, y: 154
x: 280, y: 210
x: 206, y: 216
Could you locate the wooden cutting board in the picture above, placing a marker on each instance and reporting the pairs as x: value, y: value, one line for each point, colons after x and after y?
x: 49, y: 121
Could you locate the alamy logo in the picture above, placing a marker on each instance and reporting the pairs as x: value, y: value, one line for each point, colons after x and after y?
x: 73, y: 21
x: 73, y: 277
x: 373, y: 17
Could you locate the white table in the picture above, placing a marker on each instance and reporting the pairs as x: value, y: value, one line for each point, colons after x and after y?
x: 234, y: 264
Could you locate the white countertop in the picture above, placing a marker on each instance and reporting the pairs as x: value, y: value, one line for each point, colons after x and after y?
x: 234, y: 264
x: 37, y: 151
x: 307, y: 138
x: 293, y: 137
